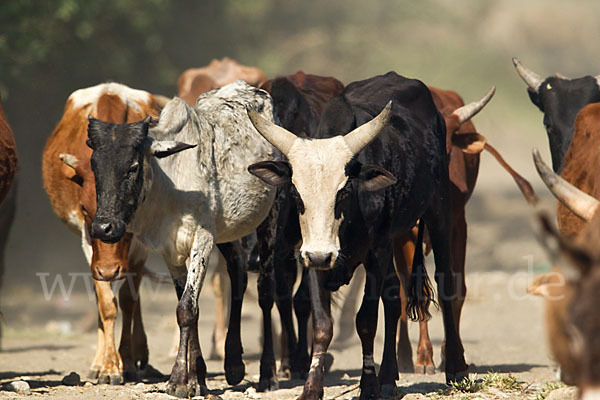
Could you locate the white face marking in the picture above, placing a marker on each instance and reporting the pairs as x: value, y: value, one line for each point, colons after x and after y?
x: 318, y: 173
x: 131, y: 97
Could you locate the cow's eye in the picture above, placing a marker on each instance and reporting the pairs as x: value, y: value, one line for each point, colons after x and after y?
x: 84, y: 211
x: 134, y: 168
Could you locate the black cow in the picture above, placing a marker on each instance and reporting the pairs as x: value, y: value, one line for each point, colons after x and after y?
x: 353, y: 203
x: 560, y: 99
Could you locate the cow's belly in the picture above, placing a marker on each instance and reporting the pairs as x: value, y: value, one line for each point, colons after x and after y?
x: 243, y: 211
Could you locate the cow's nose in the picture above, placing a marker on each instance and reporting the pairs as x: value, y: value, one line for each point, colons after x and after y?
x: 107, y: 230
x: 107, y: 274
x: 319, y: 259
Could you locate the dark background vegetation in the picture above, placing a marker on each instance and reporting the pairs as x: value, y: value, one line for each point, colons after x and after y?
x: 50, y: 48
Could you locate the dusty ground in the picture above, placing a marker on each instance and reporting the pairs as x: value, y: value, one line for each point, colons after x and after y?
x: 502, y: 327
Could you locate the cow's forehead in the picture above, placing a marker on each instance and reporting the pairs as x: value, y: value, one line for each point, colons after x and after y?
x: 319, y: 163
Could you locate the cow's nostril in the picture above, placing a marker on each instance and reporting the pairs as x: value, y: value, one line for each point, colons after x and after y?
x: 117, y: 271
x: 107, y: 228
x: 318, y: 258
x: 98, y: 271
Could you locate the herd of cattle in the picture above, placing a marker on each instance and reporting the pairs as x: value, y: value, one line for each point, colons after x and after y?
x: 312, y: 173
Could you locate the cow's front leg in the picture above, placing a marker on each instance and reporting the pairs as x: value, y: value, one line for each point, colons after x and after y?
x: 111, y: 368
x: 188, y: 376
x: 320, y: 301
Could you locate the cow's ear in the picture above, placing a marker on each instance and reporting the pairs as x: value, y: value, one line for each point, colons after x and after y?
x: 573, y: 260
x: 173, y: 117
x: 471, y: 143
x: 535, y: 98
x: 73, y: 162
x: 273, y: 173
x: 372, y: 178
x: 165, y: 148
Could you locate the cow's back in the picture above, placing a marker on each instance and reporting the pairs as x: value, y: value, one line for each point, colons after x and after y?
x: 109, y: 102
x: 216, y: 171
x: 582, y: 161
x: 8, y: 156
x: 412, y: 146
x: 464, y: 167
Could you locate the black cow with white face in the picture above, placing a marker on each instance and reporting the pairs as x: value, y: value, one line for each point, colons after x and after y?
x: 357, y: 191
x: 560, y: 99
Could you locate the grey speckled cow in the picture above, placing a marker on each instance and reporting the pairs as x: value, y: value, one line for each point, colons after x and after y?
x: 181, y: 203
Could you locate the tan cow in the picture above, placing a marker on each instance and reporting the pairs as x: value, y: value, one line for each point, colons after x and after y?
x: 70, y: 185
x: 195, y: 81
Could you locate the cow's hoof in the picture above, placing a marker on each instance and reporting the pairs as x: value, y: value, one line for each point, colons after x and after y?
x: 456, y: 377
x: 110, y: 379
x: 311, y: 394
x: 196, y: 389
x: 430, y: 370
x: 406, y: 366
x: 285, y: 371
x: 369, y: 393
x: 179, y: 390
x: 388, y: 390
x: 327, y: 362
x: 267, y: 385
x: 150, y: 372
x: 234, y: 372
x: 131, y: 375
x: 369, y: 385
x: 93, y: 373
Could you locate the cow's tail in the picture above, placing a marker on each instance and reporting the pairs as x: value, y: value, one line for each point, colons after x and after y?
x: 522, y: 183
x: 420, y: 292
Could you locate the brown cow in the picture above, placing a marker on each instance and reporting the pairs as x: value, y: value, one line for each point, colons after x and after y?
x: 70, y: 185
x: 195, y: 81
x: 464, y: 145
x: 572, y: 290
x: 8, y: 156
x: 8, y: 170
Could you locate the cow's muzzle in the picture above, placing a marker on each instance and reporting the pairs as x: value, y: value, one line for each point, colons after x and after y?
x: 318, y: 260
x: 109, y: 231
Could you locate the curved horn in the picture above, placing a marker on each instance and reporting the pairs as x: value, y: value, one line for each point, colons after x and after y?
x: 532, y: 79
x: 69, y: 159
x: 468, y: 111
x: 579, y: 203
x: 362, y: 136
x: 276, y: 135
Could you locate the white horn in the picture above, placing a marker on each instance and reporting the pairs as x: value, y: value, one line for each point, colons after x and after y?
x: 69, y: 159
x: 364, y: 134
x: 579, y: 203
x: 468, y: 111
x: 276, y: 135
x: 532, y: 79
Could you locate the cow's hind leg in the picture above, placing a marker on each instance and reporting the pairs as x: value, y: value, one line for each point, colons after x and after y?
x: 266, y: 292
x: 320, y: 301
x: 221, y: 291
x: 112, y: 366
x: 285, y: 276
x: 134, y: 345
x: 392, y: 306
x: 301, y: 359
x: 366, y: 326
x: 438, y: 223
x: 235, y: 256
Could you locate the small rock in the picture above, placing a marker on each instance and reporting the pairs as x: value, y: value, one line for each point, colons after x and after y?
x: 72, y: 379
x: 19, y: 387
x: 566, y: 393
x: 212, y: 397
x: 346, y: 377
x: 88, y: 384
x: 251, y: 393
x: 140, y: 385
x: 415, y: 396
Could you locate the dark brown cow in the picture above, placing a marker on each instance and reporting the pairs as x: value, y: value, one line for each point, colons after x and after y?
x: 195, y: 81
x: 572, y: 289
x: 8, y: 170
x: 70, y: 185
x: 464, y: 145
